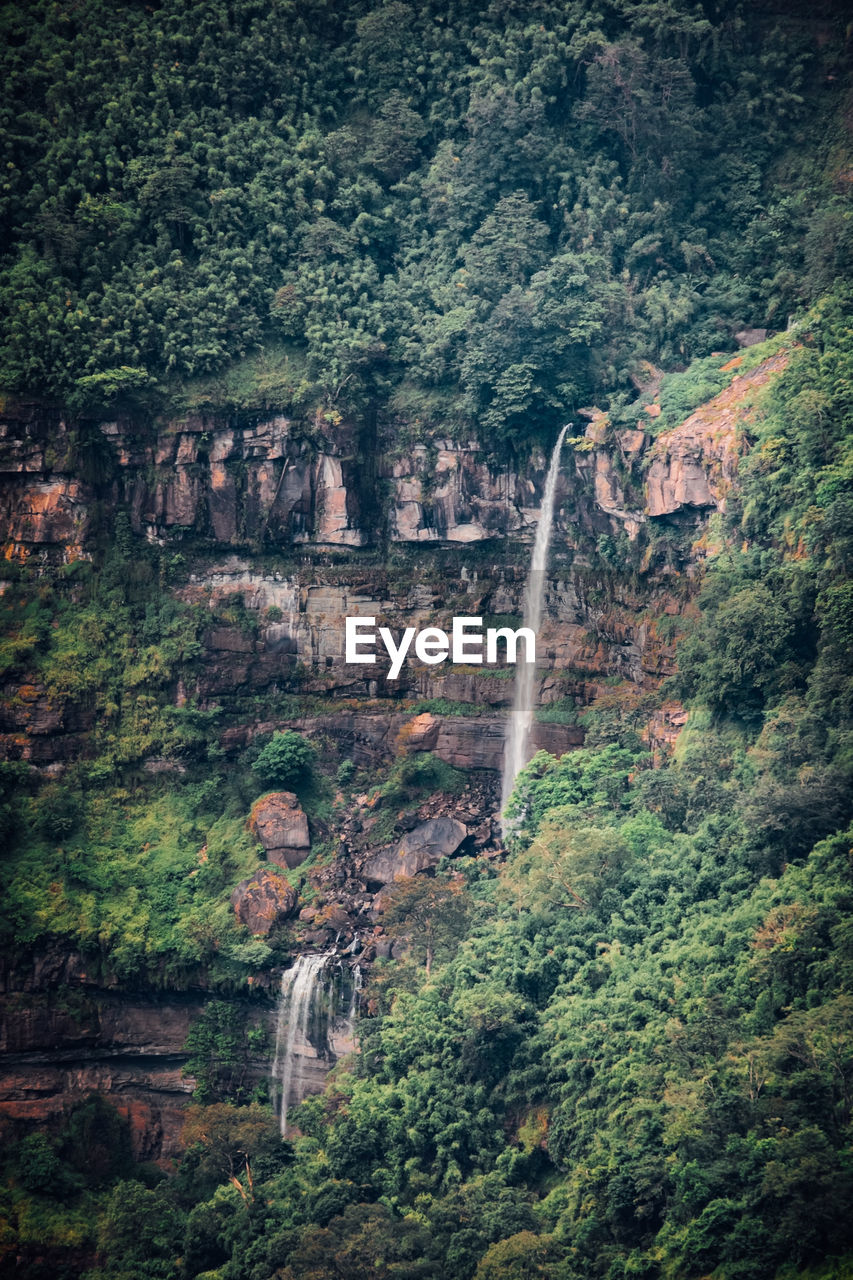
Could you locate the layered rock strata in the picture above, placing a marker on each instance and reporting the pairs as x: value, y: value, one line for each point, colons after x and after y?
x: 285, y: 519
x: 64, y: 1035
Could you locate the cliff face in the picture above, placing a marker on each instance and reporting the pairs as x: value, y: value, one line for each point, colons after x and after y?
x: 292, y: 524
x: 64, y: 1035
x: 305, y: 526
x: 275, y: 485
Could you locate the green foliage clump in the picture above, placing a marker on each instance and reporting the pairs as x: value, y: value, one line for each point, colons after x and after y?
x: 447, y: 707
x: 141, y: 885
x: 218, y: 1048
x: 285, y: 760
x: 420, y: 774
x: 560, y: 711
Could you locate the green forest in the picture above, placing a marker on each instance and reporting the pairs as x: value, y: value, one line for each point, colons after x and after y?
x: 622, y: 1049
x: 481, y: 215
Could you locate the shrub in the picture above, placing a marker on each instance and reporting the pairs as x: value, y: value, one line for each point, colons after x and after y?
x: 285, y: 760
x: 346, y: 769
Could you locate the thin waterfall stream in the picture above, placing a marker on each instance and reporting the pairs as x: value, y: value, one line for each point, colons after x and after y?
x: 521, y: 717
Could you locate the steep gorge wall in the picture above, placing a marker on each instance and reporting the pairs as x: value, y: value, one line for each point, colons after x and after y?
x: 65, y: 1034
x: 303, y: 528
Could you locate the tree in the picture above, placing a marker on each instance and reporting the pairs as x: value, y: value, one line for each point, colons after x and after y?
x: 568, y: 866
x: 367, y: 1242
x: 39, y: 1167
x: 229, y: 1139
x: 141, y: 1231
x: 217, y: 1047
x: 395, y: 137
x: 507, y: 247
x: 430, y: 913
x: 523, y: 1256
x: 285, y: 760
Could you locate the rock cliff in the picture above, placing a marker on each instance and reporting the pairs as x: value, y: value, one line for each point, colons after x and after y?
x: 288, y: 520
x: 65, y: 1034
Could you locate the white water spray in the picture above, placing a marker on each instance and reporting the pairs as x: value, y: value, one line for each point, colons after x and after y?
x: 298, y: 988
x: 315, y: 1025
x: 521, y: 716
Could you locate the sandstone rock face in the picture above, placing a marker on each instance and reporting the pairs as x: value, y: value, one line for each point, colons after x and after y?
x: 418, y: 850
x: 677, y: 480
x: 472, y: 742
x: 263, y: 900
x: 333, y: 524
x: 36, y: 513
x: 231, y: 482
x: 224, y: 482
x: 280, y: 824
x: 451, y: 494
x: 694, y: 465
x: 597, y: 470
x: 58, y: 1048
x: 421, y: 733
x: 691, y: 467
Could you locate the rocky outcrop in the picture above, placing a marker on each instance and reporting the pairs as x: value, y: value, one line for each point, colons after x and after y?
x: 448, y: 493
x: 263, y: 900
x: 694, y: 465
x: 280, y: 823
x: 689, y: 468
x: 64, y: 1035
x: 267, y: 481
x: 417, y: 851
x: 35, y: 513
x: 272, y: 481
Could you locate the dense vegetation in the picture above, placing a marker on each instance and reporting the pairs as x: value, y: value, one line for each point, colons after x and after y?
x: 485, y: 215
x: 627, y: 1050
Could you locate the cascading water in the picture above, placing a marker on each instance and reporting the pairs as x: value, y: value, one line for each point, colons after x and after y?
x: 521, y: 716
x: 311, y: 1028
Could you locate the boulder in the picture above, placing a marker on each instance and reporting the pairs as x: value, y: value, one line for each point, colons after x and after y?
x: 263, y: 900
x: 417, y: 851
x: 750, y: 337
x: 279, y: 822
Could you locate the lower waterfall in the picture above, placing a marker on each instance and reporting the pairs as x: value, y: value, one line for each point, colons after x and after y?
x: 315, y: 1025
x: 521, y: 716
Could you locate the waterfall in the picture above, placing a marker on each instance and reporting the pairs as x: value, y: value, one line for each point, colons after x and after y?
x: 315, y: 1025
x: 521, y: 716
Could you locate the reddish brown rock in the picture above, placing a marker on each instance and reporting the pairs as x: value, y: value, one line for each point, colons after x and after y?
x: 58, y: 1048
x: 280, y: 824
x: 694, y: 465
x: 333, y: 518
x: 664, y: 726
x: 263, y: 900
x: 39, y: 512
x: 420, y: 733
x: 452, y: 494
x: 632, y: 443
x: 230, y: 640
x: 222, y: 502
x: 472, y: 743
